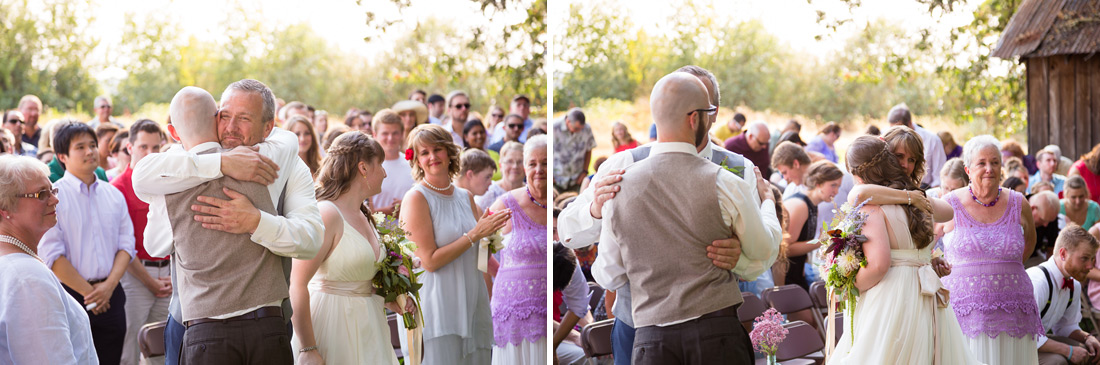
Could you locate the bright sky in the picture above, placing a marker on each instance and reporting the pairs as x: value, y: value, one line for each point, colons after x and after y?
x: 795, y: 21
x: 341, y: 22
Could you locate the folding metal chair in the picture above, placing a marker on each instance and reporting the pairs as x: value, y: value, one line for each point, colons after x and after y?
x: 151, y: 339
x: 596, y: 338
x: 751, y: 308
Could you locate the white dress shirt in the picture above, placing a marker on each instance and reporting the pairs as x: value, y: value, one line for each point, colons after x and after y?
x: 1059, y: 320
x: 934, y: 157
x: 40, y: 323
x: 754, y: 222
x: 93, y: 224
x: 297, y: 235
x: 398, y: 181
x: 576, y: 226
x: 456, y: 136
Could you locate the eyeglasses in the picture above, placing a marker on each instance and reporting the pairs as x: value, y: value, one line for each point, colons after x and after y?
x: 15, y: 121
x: 461, y: 106
x: 43, y: 195
x: 709, y: 111
x: 515, y: 126
x: 498, y: 116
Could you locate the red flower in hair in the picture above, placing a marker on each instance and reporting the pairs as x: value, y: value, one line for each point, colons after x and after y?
x: 409, y: 154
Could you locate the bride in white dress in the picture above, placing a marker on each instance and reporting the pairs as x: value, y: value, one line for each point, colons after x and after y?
x: 337, y: 318
x: 902, y: 313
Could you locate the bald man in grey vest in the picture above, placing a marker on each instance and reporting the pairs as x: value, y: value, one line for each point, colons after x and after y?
x: 580, y: 222
x: 230, y: 260
x: 673, y: 204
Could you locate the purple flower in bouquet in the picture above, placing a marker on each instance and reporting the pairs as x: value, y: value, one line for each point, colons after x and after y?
x: 768, y: 332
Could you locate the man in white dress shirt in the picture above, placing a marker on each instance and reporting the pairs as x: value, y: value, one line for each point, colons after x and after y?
x: 1057, y: 286
x: 93, y: 242
x: 245, y: 118
x: 580, y: 222
x: 458, y: 109
x: 677, y: 303
x: 389, y: 130
x: 934, y: 155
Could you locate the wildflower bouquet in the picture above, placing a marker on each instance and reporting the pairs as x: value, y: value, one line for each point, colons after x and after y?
x: 841, y: 258
x: 396, y: 279
x: 767, y: 333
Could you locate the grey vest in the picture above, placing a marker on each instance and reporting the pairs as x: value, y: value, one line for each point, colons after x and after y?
x: 664, y: 218
x: 622, y: 307
x: 218, y: 272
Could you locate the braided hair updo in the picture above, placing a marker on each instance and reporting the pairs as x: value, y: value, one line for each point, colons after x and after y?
x: 341, y: 165
x: 870, y: 159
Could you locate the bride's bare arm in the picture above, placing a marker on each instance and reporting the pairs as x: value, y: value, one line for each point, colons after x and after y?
x: 876, y: 249
x: 881, y: 195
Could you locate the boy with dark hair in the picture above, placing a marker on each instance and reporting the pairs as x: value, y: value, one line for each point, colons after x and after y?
x: 91, y: 246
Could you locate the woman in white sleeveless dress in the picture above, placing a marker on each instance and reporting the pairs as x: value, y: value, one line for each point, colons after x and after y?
x: 337, y: 319
x: 443, y: 221
x: 902, y: 313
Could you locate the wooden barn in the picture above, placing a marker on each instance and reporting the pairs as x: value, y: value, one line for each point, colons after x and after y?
x: 1059, y: 43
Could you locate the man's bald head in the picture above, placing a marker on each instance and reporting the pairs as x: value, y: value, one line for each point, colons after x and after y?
x: 674, y: 98
x: 1045, y: 207
x: 757, y: 135
x: 899, y: 115
x: 194, y: 116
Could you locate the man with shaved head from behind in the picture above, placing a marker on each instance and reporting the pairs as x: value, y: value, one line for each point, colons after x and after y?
x: 580, y: 222
x: 229, y: 258
x: 679, y: 304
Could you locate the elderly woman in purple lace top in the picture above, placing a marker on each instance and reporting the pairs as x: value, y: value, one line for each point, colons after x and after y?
x: 992, y: 234
x: 519, y: 291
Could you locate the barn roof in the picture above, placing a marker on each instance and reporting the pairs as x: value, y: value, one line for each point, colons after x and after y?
x: 1043, y: 28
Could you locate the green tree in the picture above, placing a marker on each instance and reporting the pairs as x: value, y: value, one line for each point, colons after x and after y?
x: 46, y: 54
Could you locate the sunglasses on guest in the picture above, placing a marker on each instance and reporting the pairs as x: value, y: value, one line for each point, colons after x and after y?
x: 461, y: 106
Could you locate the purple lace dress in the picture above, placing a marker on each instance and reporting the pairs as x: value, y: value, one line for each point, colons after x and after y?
x: 519, y: 291
x: 990, y: 292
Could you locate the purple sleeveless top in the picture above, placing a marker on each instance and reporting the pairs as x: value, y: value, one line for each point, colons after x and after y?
x: 519, y: 290
x: 990, y: 291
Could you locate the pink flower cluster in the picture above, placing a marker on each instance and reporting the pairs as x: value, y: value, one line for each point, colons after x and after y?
x: 768, y: 332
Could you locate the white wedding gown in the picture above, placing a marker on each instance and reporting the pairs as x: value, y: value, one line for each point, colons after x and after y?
x: 898, y: 320
x: 349, y: 322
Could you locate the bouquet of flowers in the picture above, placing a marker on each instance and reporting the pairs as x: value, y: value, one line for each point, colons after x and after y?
x: 767, y: 333
x: 841, y: 258
x: 396, y: 279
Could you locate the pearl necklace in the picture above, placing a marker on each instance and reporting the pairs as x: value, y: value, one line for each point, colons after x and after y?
x: 15, y: 242
x: 429, y: 184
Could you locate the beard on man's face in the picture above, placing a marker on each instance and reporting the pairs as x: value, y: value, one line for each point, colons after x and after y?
x: 700, y: 129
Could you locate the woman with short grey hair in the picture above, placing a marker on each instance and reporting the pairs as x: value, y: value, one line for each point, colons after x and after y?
x: 39, y: 322
x: 993, y: 235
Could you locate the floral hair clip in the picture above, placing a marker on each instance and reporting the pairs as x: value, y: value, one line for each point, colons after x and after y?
x: 409, y: 154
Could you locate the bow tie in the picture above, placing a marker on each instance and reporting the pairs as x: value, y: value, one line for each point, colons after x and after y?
x: 1067, y: 283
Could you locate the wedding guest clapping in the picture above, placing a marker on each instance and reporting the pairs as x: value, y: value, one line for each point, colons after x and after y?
x: 443, y: 220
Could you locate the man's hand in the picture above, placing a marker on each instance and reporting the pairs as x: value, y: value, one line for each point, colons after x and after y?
x: 160, y: 287
x: 245, y: 164
x: 237, y: 215
x: 1093, y: 345
x: 763, y: 187
x: 603, y: 190
x: 725, y: 253
x: 101, y: 296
